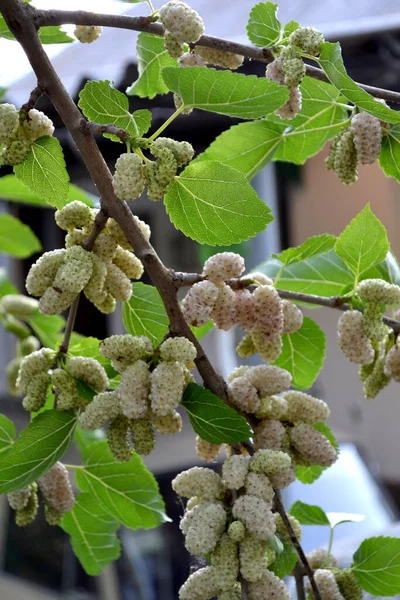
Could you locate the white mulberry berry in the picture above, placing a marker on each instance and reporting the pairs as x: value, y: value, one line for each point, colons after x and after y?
x: 90, y: 371
x: 16, y: 152
x: 268, y: 310
x: 166, y: 387
x: 269, y: 347
x: 19, y: 499
x: 184, y: 23
x: 198, y: 481
x: 182, y: 151
x: 86, y: 34
x: 142, y: 436
x: 117, y: 283
x: 35, y: 363
x: 223, y: 266
x: 326, y: 584
x: 352, y: 339
x: 307, y: 39
x: 245, y: 315
x: 269, y: 586
x: 256, y: 514
x: 128, y: 179
x: 169, y: 424
x: 206, y: 450
x: 237, y: 531
x: 292, y: 317
x: 378, y: 290
x: 199, y: 586
x: 37, y: 125
x: 18, y: 305
x: 66, y: 390
x: 318, y: 559
x: 199, y: 302
x: 269, y: 379
x: 178, y: 349
x: 9, y: 123
x: 118, y: 439
x: 76, y: 271
x: 243, y: 394
x: 220, y: 58
x: 42, y: 272
x: 313, y: 445
x: 392, y: 363
x: 269, y: 435
x: 234, y: 471
x: 253, y: 558
x: 126, y: 349
x: 258, y: 484
x: 103, y: 408
x: 303, y: 407
x: 56, y: 488
x: 174, y: 48
x: 128, y: 263
x: 54, y: 302
x: 345, y: 160
x: 293, y: 106
x: 270, y: 462
x: 367, y: 137
x: 159, y: 173
x: 223, y: 314
x: 225, y: 563
x: 133, y: 391
x: 205, y: 529
x: 74, y: 215
x: 373, y: 325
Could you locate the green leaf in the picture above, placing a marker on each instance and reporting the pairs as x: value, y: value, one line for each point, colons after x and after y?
x: 7, y: 432
x: 13, y: 190
x: 303, y: 354
x: 224, y: 92
x: 101, y: 103
x: 263, y: 27
x: 317, y: 244
x: 338, y: 518
x: 145, y: 314
x: 389, y: 158
x: 285, y: 561
x: 214, y: 204
x: 152, y: 58
x: 309, y: 514
x: 6, y: 287
x: 321, y: 117
x: 212, y: 419
x: 47, y: 328
x: 44, y: 172
x: 4, y: 31
x: 275, y: 544
x: 332, y: 63
x: 86, y: 437
x: 376, y: 565
x: 41, y: 444
x: 246, y: 147
x: 290, y: 27
x: 84, y: 390
x: 127, y: 491
x: 54, y: 35
x: 2, y: 91
x: 364, y: 242
x: 310, y: 474
x: 323, y: 274
x: 203, y: 330
x: 16, y: 238
x: 389, y: 270
x: 92, y: 532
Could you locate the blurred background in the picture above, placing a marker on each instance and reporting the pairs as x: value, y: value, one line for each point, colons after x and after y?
x: 37, y: 562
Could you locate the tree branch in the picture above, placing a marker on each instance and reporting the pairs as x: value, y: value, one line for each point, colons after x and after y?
x: 299, y: 579
x: 97, y: 128
x: 80, y: 17
x: 35, y: 94
x: 69, y: 328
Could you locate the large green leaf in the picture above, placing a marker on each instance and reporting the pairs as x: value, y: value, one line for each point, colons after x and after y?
x: 303, y: 354
x: 92, y: 532
x: 364, y: 242
x: 127, y: 491
x: 224, y: 92
x: 44, y: 172
x: 310, y: 474
x: 54, y: 35
x: 152, y: 58
x: 38, y: 447
x: 212, y: 419
x: 376, y: 565
x: 7, y: 432
x: 332, y: 63
x: 101, y: 103
x: 309, y: 514
x: 389, y: 158
x: 16, y: 238
x: 47, y: 328
x: 323, y: 274
x: 263, y: 27
x: 145, y: 314
x: 285, y: 561
x: 215, y: 204
x: 13, y: 190
x: 317, y: 244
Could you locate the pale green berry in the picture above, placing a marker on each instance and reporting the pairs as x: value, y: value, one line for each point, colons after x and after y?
x: 169, y: 424
x: 174, y: 48
x: 118, y: 439
x: 281, y: 527
x: 269, y: 347
x: 198, y: 481
x: 76, y: 271
x: 237, y: 531
x: 270, y: 462
x: 373, y: 325
x: 52, y: 515
x: 54, y: 301
x: 378, y: 290
x: 19, y: 306
x: 234, y: 471
x: 36, y: 392
x: 9, y: 123
x: 246, y: 346
x: 90, y: 371
x: 345, y: 163
x: 86, y: 34
x: 206, y: 450
x: 225, y: 563
x: 29, y: 345
x: 269, y: 434
x: 37, y: 125
x: 258, y: 484
x: 117, y: 283
x: 167, y: 385
x: 103, y: 408
x: 378, y: 379
x: 128, y: 179
x: 27, y: 515
x: 313, y: 445
x: 182, y: 151
x: 354, y: 343
x: 303, y: 407
x: 253, y: 558
x: 220, y: 58
x: 199, y: 586
x: 42, y: 273
x: 16, y: 152
x: 142, y: 436
x: 268, y: 379
x: 184, y: 23
x: 160, y: 173
x: 367, y: 131
x: 307, y: 39
x: 256, y: 514
x: 74, y: 215
x: 205, y: 528
x: 268, y: 586
x: 178, y: 349
x: 128, y: 263
x: 348, y: 584
x: 66, y: 390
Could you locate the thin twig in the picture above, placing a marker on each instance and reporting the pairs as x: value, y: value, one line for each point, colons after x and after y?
x: 80, y: 17
x: 97, y: 128
x: 299, y: 579
x: 310, y: 573
x: 69, y: 328
x: 98, y: 226
x: 35, y: 94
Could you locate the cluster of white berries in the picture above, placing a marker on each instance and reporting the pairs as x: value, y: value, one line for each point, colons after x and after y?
x: 103, y: 274
x: 86, y: 34
x: 360, y: 142
x: 367, y: 341
x: 289, y: 69
x: 146, y: 400
x: 262, y: 314
x: 182, y: 24
x: 132, y: 174
x: 18, y: 131
x: 232, y: 538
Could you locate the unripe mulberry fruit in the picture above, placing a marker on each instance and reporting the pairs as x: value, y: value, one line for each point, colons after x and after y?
x: 303, y: 407
x: 232, y: 594
x: 234, y: 471
x: 18, y: 305
x: 377, y: 380
x: 128, y: 263
x: 169, y: 424
x: 126, y: 349
x: 307, y: 39
x: 166, y: 387
x: 199, y: 302
x: 293, y: 106
x: 237, y: 531
x: 16, y: 152
x: 142, y: 436
x: 178, y: 349
x: 206, y: 450
x: 224, y: 312
x: 268, y: 310
x: 318, y: 559
x: 37, y: 125
x: 76, y: 271
x: 392, y: 363
x: 378, y: 290
x: 29, y: 345
x: 19, y: 499
x: 117, y: 283
x: 223, y: 266
x: 258, y: 484
x: 56, y: 488
x: 270, y: 462
x: 269, y: 434
x: 274, y: 71
x: 36, y: 392
x: 354, y: 343
x: 253, y: 558
x: 345, y: 163
x: 269, y: 586
x: 184, y: 23
x: 118, y: 439
x: 292, y: 317
x: 246, y: 347
x: 52, y: 515
x: 269, y: 379
x: 12, y: 370
x: 205, y: 529
x: 281, y: 527
x: 74, y: 215
x: 198, y: 481
x: 86, y: 34
x: 374, y: 327
x: 294, y: 70
x: 225, y: 563
x: 26, y: 515
x: 103, y: 408
x: 90, y: 371
x: 256, y: 515
x: 245, y: 315
x: 199, y: 586
x: 9, y: 123
x: 326, y: 584
x: 159, y: 173
x: 348, y: 584
x: 269, y: 347
x: 66, y: 390
x: 134, y: 389
x: 35, y: 363
x: 16, y: 327
x: 42, y: 273
x: 313, y: 445
x: 174, y: 48
x: 128, y: 179
x: 220, y: 58
x: 182, y: 151
x: 330, y: 159
x: 243, y: 394
x: 367, y: 137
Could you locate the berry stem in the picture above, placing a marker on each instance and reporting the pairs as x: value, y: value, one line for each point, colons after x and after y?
x: 73, y: 311
x: 167, y: 123
x: 35, y: 94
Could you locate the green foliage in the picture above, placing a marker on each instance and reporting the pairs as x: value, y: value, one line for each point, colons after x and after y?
x: 317, y: 244
x: 13, y: 190
x: 41, y: 444
x: 6, y: 287
x: 290, y: 27
x: 16, y: 238
x: 303, y: 354
x: 310, y: 474
x: 101, y: 103
x: 54, y: 35
x: 93, y: 534
x: 214, y: 204
x: 285, y: 561
x: 389, y: 159
x: 308, y: 514
x: 47, y: 328
x: 85, y: 437
x: 376, y: 565
x: 152, y: 58
x: 126, y: 491
x: 363, y: 243
x: 7, y: 433
x: 263, y: 28
x: 44, y: 172
x: 212, y: 419
x: 145, y: 314
x: 224, y: 92
x: 332, y: 63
